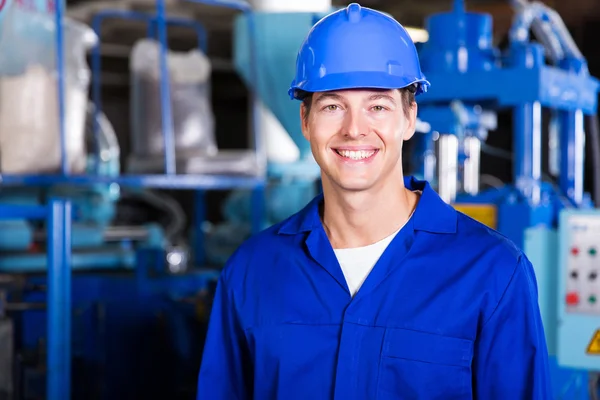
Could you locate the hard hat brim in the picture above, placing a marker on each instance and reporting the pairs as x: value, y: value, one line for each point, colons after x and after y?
x: 357, y: 80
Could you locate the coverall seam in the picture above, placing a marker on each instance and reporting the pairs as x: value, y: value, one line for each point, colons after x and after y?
x: 251, y: 328
x: 411, y: 330
x: 502, y: 297
x: 254, y: 327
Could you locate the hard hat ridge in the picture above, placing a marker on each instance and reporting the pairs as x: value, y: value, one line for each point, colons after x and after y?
x: 357, y: 47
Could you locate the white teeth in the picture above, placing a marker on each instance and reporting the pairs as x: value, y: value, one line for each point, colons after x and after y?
x: 356, y: 155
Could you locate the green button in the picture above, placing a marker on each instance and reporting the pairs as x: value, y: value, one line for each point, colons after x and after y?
x: 592, y: 299
x: 593, y: 251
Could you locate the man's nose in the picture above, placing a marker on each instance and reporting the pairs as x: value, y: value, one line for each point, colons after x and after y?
x: 355, y: 124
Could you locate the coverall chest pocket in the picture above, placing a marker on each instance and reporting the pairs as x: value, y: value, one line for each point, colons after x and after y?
x: 418, y: 365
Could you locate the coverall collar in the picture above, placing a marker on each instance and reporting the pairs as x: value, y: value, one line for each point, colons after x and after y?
x: 432, y: 214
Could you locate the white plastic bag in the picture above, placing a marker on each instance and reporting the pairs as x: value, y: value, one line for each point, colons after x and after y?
x: 193, y: 118
x: 29, y: 112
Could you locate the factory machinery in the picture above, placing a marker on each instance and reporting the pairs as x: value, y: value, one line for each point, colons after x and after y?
x: 91, y: 307
x: 95, y: 302
x: 548, y: 215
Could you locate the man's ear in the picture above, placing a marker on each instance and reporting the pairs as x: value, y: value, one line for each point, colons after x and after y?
x: 412, y: 123
x: 304, y: 121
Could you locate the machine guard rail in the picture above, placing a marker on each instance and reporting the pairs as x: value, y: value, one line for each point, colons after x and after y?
x: 58, y: 224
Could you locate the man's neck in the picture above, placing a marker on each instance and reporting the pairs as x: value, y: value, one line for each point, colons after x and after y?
x: 355, y: 219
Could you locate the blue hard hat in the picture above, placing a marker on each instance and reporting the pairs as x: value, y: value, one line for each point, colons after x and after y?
x: 357, y: 47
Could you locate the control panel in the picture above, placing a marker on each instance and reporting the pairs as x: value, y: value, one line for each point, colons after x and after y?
x: 578, y: 300
x: 582, y: 264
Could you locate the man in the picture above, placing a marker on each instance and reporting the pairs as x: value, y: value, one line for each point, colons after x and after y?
x: 377, y: 289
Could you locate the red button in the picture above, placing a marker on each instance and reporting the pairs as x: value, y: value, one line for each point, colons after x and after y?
x: 572, y: 299
x: 574, y: 251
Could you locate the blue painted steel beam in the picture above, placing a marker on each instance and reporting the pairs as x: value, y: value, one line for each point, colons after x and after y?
x: 512, y: 86
x: 181, y: 22
x: 208, y: 182
x: 11, y: 211
x: 58, y: 378
x: 234, y: 4
x: 58, y: 219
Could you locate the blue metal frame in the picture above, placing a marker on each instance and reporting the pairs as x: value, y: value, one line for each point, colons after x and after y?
x: 170, y: 179
x: 58, y: 219
x: 157, y: 23
x: 462, y: 64
x: 58, y: 212
x: 206, y: 182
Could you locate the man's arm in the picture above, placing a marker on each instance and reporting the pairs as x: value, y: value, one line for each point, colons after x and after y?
x: 224, y: 373
x: 511, y: 357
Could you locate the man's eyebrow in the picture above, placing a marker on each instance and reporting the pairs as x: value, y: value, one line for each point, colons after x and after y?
x: 382, y: 96
x: 330, y: 96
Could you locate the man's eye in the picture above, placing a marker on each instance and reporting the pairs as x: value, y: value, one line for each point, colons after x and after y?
x: 331, y: 108
x: 378, y: 108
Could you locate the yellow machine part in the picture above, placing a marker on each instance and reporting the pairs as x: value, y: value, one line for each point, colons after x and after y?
x: 487, y: 214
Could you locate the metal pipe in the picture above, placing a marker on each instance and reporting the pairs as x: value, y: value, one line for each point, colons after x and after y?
x: 165, y: 90
x: 527, y: 127
x: 536, y: 156
x: 572, y: 154
x: 116, y: 233
x: 60, y: 67
x: 111, y: 233
x: 472, y: 146
x: 58, y: 378
x: 447, y: 158
x: 429, y: 162
x: 554, y: 146
x: 579, y: 157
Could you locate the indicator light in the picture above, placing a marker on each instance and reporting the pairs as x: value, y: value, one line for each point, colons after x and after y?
x: 572, y: 299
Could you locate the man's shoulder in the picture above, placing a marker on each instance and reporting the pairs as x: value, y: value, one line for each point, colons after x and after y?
x: 494, y: 261
x: 259, y: 251
x: 486, y: 243
x: 267, y: 239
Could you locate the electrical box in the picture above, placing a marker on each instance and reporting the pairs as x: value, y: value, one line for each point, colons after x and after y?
x: 579, y: 290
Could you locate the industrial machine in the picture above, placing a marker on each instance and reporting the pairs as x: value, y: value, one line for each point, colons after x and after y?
x: 554, y: 222
x: 96, y: 302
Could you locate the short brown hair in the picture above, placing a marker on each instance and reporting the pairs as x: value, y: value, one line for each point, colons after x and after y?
x: 407, y: 95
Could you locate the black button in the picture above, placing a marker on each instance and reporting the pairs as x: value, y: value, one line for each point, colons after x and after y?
x: 574, y: 274
x: 593, y: 275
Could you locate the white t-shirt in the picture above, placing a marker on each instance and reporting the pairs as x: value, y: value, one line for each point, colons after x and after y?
x: 358, y: 262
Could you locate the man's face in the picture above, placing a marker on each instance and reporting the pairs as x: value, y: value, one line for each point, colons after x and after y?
x: 356, y: 136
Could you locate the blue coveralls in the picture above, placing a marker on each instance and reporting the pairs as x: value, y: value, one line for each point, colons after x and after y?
x: 448, y: 312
